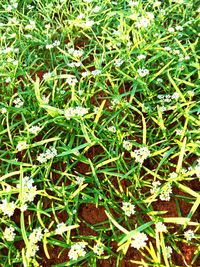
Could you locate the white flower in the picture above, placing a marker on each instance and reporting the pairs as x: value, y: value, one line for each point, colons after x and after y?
x: 168, y: 251
x: 112, y: 129
x: 21, y: 145
x: 173, y: 175
x: 96, y: 9
x: 31, y: 250
x: 73, y: 112
x: 139, y: 240
x: 95, y: 72
x: 140, y: 154
x: 56, y: 43
x: 71, y: 81
x: 179, y: 132
x: 127, y: 145
x: 77, y: 250
x: 85, y: 74
x: 23, y: 207
x: 34, y: 129
x: 45, y: 99
x: 42, y: 158
x: 9, y: 234
x: 160, y: 227
x: 156, y: 187
x: 31, y: 26
x: 133, y: 3
x: 175, y: 96
x: 61, y: 228
x: 142, y: 22
x: 3, y: 110
x: 8, y: 80
x: 18, y: 102
x: 51, y: 153
x: 128, y: 208
x: 171, y: 29
x: 49, y: 46
x: 179, y: 28
x: 143, y: 72
x: 79, y: 180
x: 189, y: 234
x: 8, y: 208
x: 165, y: 194
x: 47, y: 75
x: 36, y: 235
x: 118, y: 62
x: 98, y: 249
x: 157, y: 4
x: 89, y: 23
x: 142, y: 56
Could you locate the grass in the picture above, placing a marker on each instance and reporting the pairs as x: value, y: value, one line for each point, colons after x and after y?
x: 99, y: 133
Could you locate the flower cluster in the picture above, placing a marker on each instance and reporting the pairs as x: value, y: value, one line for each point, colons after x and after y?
x: 143, y: 72
x: 18, y: 102
x: 189, y: 234
x: 75, y: 112
x: 8, y: 208
x: 128, y: 208
x: 54, y: 44
x: 168, y: 98
x: 34, y: 238
x: 77, y: 250
x: 28, y: 189
x: 9, y: 233
x: 164, y: 191
x: 21, y: 145
x: 140, y: 154
x: 127, y: 145
x: 49, y: 154
x: 98, y: 249
x: 160, y: 227
x: 34, y: 129
x: 139, y: 240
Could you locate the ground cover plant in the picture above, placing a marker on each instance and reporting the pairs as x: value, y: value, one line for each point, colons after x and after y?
x: 99, y: 133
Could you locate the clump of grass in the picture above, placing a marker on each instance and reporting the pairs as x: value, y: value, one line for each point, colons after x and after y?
x: 99, y: 133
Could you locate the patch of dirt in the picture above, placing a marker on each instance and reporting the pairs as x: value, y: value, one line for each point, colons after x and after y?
x: 92, y: 214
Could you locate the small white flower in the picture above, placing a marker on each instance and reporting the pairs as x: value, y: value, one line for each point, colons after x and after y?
x: 98, y: 249
x: 128, y: 208
x: 143, y: 72
x: 118, y: 62
x: 156, y: 187
x: 56, y: 43
x: 21, y: 145
x: 8, y: 80
x: 31, y: 250
x: 157, y: 4
x: 79, y: 180
x: 96, y: 9
x: 71, y: 81
x: 95, y: 72
x: 34, y: 129
x: 77, y: 250
x: 42, y: 158
x: 18, y: 102
x: 139, y: 240
x: 3, y: 110
x: 168, y: 251
x: 85, y: 74
x: 160, y: 227
x: 23, y: 207
x: 112, y: 129
x: 49, y: 46
x: 179, y: 28
x: 175, y: 96
x: 9, y: 234
x: 61, y: 228
x: 189, y: 234
x: 179, y: 132
x: 173, y: 175
x: 165, y: 194
x: 36, y: 236
x: 89, y: 23
x: 140, y: 154
x: 47, y: 75
x: 8, y: 208
x: 171, y: 29
x: 142, y: 56
x: 133, y: 3
x: 142, y: 23
x: 127, y: 145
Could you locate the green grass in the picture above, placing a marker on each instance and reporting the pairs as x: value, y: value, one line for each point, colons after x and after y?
x: 99, y: 107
